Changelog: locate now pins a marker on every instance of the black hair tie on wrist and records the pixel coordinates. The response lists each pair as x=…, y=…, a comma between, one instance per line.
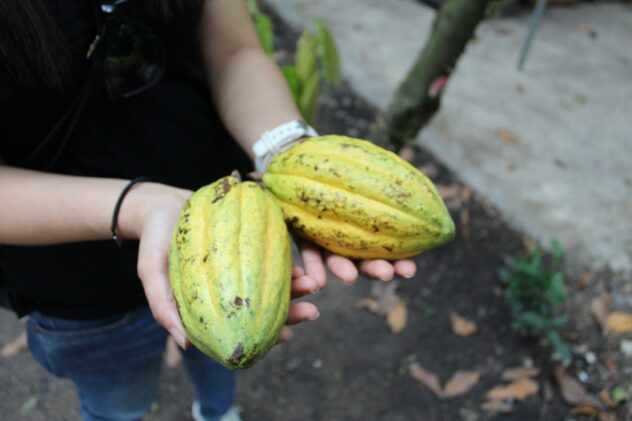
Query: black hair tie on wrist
x=117, y=239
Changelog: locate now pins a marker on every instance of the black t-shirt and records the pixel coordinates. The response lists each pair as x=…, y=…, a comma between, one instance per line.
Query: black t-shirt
x=169, y=133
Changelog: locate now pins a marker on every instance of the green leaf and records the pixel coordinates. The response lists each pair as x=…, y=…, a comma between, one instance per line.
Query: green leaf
x=504, y=275
x=289, y=72
x=328, y=54
x=534, y=321
x=559, y=322
x=265, y=32
x=527, y=268
x=560, y=346
x=557, y=291
x=305, y=58
x=557, y=250
x=619, y=394
x=308, y=103
x=29, y=404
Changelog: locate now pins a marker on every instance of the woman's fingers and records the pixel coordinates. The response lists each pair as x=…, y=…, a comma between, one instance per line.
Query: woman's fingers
x=341, y=267
x=286, y=334
x=405, y=268
x=301, y=312
x=313, y=262
x=304, y=285
x=377, y=269
x=153, y=270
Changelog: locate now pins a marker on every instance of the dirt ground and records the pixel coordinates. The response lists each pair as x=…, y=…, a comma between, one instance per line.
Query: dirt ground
x=348, y=365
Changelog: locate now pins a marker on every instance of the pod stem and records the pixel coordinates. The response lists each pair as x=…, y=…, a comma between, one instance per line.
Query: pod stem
x=236, y=174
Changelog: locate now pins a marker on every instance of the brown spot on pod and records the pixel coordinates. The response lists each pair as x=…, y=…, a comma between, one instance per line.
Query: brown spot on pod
x=238, y=301
x=238, y=354
x=226, y=186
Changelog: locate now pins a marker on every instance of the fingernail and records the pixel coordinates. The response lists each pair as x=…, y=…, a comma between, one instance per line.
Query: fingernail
x=316, y=316
x=179, y=337
x=314, y=291
x=386, y=278
x=412, y=275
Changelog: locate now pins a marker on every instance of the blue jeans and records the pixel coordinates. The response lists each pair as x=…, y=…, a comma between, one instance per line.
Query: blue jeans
x=115, y=363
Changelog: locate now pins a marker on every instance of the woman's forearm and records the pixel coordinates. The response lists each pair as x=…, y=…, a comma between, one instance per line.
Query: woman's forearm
x=40, y=208
x=249, y=90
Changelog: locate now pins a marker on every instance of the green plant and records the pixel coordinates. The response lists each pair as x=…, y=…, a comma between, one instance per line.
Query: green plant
x=316, y=65
x=535, y=288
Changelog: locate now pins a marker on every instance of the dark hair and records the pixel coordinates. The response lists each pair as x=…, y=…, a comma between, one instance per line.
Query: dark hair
x=34, y=51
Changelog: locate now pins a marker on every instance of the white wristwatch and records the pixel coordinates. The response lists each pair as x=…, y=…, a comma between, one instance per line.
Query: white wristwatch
x=275, y=140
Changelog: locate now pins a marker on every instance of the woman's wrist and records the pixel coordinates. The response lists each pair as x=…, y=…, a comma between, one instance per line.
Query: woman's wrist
x=143, y=199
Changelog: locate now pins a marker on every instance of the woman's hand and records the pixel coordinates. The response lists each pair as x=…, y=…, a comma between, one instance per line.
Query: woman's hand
x=150, y=213
x=312, y=277
x=154, y=211
x=314, y=260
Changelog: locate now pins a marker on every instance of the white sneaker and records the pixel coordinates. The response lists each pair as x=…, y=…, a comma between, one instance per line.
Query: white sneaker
x=231, y=415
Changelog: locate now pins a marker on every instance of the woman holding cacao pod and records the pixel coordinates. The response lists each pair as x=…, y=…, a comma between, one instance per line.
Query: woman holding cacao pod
x=112, y=112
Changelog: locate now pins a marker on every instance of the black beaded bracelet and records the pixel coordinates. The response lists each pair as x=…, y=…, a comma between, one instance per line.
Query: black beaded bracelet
x=117, y=239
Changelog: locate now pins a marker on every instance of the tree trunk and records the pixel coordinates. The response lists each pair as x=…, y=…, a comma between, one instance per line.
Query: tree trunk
x=418, y=97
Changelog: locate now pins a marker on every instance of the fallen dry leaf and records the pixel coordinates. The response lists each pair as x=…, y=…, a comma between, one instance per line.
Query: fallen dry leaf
x=517, y=390
x=573, y=391
x=462, y=326
x=427, y=378
x=599, y=308
x=584, y=410
x=396, y=318
x=506, y=136
x=497, y=406
x=517, y=373
x=618, y=322
x=15, y=347
x=461, y=382
x=407, y=153
x=384, y=301
x=370, y=304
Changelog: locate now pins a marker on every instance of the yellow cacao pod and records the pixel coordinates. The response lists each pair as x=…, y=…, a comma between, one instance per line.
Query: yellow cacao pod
x=230, y=271
x=357, y=199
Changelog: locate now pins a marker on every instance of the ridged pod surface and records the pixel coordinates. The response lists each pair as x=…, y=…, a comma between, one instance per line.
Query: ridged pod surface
x=230, y=271
x=357, y=199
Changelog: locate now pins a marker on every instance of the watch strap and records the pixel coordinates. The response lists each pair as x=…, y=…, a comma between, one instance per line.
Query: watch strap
x=276, y=140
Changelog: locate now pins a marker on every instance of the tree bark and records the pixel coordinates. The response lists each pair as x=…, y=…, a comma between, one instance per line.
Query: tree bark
x=419, y=95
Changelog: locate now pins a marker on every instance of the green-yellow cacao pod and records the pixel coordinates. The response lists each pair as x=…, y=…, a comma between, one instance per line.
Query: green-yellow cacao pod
x=230, y=271
x=357, y=199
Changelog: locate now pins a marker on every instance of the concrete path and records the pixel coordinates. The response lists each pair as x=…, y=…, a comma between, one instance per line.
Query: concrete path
x=551, y=146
